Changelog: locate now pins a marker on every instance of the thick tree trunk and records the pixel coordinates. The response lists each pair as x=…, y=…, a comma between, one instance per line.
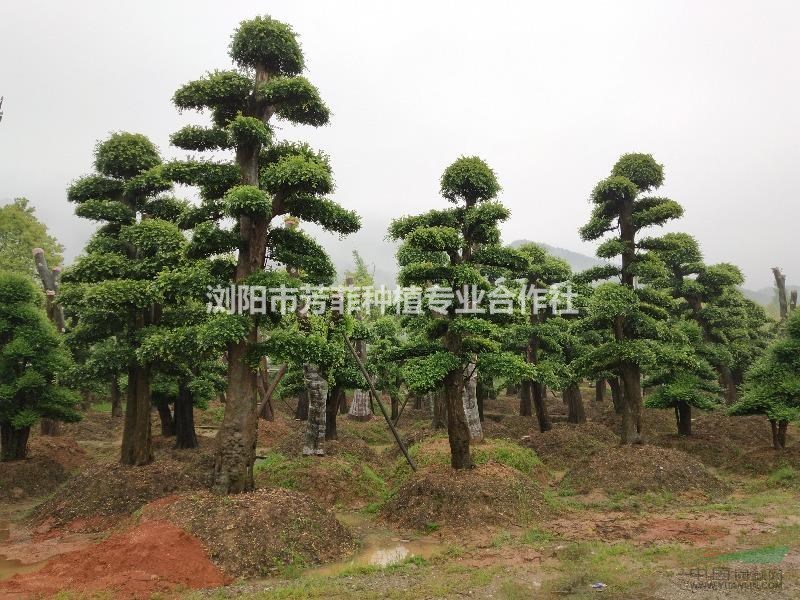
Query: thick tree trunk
x=575, y=410
x=360, y=407
x=334, y=401
x=185, y=435
x=236, y=438
x=782, y=426
x=457, y=428
x=116, y=398
x=539, y=393
x=417, y=401
x=167, y=422
x=631, y=404
x=526, y=399
x=50, y=427
x=317, y=390
x=343, y=408
x=774, y=427
x=394, y=402
x=13, y=442
x=683, y=417
x=512, y=390
x=728, y=384
x=616, y=394
x=469, y=400
x=438, y=409
x=600, y=390
x=301, y=412
x=265, y=410
x=136, y=442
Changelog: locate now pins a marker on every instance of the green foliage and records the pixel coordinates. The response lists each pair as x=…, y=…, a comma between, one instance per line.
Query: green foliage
x=124, y=155
x=195, y=137
x=20, y=233
x=469, y=179
x=266, y=43
x=248, y=130
x=32, y=359
x=296, y=99
x=225, y=90
x=298, y=174
x=641, y=169
x=94, y=187
x=247, y=200
x=772, y=384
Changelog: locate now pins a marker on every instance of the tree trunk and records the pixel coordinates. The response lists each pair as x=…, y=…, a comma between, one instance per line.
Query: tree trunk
x=185, y=435
x=780, y=283
x=781, y=434
x=469, y=401
x=575, y=410
x=438, y=409
x=616, y=394
x=774, y=427
x=334, y=401
x=512, y=390
x=457, y=429
x=600, y=390
x=236, y=438
x=136, y=442
x=265, y=410
x=116, y=398
x=683, y=416
x=359, y=407
x=631, y=404
x=394, y=401
x=301, y=412
x=540, y=405
x=343, y=408
x=417, y=401
x=728, y=384
x=317, y=390
x=50, y=427
x=13, y=442
x=526, y=399
x=167, y=422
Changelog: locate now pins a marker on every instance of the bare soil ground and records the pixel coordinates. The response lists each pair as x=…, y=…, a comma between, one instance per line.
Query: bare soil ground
x=543, y=514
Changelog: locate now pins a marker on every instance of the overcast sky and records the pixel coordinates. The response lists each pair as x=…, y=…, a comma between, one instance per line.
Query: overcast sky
x=548, y=93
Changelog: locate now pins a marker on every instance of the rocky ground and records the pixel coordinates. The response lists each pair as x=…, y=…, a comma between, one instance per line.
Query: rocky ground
x=567, y=513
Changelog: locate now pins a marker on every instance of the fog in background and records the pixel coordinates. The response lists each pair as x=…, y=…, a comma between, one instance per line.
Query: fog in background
x=549, y=94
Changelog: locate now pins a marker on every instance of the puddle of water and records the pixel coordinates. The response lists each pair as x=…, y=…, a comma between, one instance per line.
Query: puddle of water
x=10, y=567
x=379, y=547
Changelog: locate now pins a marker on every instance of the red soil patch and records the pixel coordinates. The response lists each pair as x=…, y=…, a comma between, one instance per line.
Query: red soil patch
x=153, y=557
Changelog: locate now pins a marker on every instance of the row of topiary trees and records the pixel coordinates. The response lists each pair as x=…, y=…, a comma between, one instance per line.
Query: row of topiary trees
x=654, y=317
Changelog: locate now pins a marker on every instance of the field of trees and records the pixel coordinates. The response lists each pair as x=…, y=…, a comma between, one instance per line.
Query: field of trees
x=501, y=426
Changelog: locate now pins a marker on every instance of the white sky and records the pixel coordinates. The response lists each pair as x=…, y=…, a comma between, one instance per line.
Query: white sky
x=549, y=93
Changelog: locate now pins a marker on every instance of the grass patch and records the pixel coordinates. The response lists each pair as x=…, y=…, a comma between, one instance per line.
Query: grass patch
x=757, y=556
x=102, y=407
x=536, y=537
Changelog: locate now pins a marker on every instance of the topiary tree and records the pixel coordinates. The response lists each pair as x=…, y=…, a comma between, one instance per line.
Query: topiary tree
x=451, y=248
x=265, y=181
x=31, y=363
x=622, y=207
x=110, y=291
x=772, y=384
x=542, y=270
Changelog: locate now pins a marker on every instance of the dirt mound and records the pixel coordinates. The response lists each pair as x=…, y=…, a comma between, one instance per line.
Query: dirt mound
x=509, y=426
x=566, y=443
x=352, y=446
x=739, y=444
x=94, y=427
x=272, y=433
x=490, y=494
x=107, y=489
x=632, y=469
x=151, y=558
x=49, y=462
x=257, y=533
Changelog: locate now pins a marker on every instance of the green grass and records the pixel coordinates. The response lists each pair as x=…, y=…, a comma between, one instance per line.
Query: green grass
x=765, y=555
x=102, y=407
x=536, y=537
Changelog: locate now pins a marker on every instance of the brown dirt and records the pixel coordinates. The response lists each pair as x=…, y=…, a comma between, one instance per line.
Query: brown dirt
x=94, y=427
x=107, y=489
x=566, y=443
x=353, y=446
x=272, y=433
x=150, y=558
x=633, y=469
x=490, y=494
x=49, y=462
x=256, y=533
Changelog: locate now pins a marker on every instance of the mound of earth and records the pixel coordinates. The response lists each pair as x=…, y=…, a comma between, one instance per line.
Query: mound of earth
x=491, y=494
x=272, y=433
x=94, y=427
x=642, y=468
x=106, y=489
x=154, y=557
x=335, y=479
x=740, y=444
x=258, y=532
x=351, y=446
x=566, y=443
x=49, y=462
